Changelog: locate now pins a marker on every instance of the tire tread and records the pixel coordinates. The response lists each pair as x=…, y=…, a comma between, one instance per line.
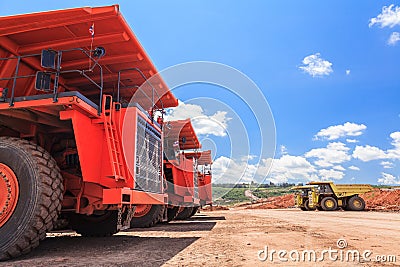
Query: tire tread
x=44, y=216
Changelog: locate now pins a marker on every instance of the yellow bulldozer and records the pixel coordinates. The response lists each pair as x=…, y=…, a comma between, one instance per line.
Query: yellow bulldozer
x=327, y=196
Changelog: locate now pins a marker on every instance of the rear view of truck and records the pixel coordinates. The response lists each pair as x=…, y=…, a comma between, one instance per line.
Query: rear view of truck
x=78, y=135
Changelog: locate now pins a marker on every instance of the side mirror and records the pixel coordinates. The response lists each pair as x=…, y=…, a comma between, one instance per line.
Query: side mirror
x=48, y=59
x=43, y=80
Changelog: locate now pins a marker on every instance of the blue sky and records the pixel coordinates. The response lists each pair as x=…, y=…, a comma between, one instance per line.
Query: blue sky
x=351, y=89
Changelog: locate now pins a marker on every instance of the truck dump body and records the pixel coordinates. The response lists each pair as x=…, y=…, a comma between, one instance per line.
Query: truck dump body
x=29, y=34
x=351, y=189
x=342, y=190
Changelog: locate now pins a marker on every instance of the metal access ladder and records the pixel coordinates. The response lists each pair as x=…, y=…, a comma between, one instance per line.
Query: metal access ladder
x=113, y=141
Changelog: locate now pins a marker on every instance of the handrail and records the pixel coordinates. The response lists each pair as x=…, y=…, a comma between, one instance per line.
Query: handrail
x=147, y=81
x=15, y=77
x=57, y=73
x=82, y=72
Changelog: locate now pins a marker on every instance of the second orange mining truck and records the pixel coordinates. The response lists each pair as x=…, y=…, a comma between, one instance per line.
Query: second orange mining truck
x=187, y=173
x=78, y=135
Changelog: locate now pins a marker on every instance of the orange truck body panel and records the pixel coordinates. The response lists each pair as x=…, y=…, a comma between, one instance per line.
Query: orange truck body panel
x=35, y=114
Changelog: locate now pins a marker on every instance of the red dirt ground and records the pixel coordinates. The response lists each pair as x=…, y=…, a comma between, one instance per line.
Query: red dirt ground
x=382, y=199
x=280, y=202
x=214, y=208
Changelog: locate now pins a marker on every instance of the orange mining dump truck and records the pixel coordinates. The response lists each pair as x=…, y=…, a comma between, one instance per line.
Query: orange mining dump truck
x=186, y=180
x=71, y=139
x=180, y=171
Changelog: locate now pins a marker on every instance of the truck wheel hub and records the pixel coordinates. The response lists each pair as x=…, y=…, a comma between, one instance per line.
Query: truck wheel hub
x=329, y=204
x=357, y=204
x=142, y=210
x=8, y=200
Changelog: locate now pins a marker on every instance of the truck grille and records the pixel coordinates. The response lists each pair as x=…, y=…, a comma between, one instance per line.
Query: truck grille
x=148, y=173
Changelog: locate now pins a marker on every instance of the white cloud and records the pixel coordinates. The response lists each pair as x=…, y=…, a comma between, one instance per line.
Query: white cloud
x=394, y=38
x=389, y=17
x=348, y=72
x=249, y=158
x=184, y=111
x=387, y=164
x=388, y=179
x=338, y=131
x=215, y=124
x=316, y=66
x=327, y=165
x=354, y=168
x=330, y=174
x=338, y=168
x=289, y=168
x=352, y=141
x=368, y=153
x=226, y=170
x=283, y=150
x=334, y=153
x=395, y=152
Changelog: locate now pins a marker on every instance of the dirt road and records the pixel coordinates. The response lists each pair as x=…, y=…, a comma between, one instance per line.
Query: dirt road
x=231, y=238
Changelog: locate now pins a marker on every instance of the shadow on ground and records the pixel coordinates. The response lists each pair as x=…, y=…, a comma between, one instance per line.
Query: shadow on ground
x=117, y=250
x=191, y=225
x=65, y=248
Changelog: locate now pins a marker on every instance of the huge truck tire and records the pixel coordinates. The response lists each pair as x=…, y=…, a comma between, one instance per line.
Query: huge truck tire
x=185, y=213
x=329, y=204
x=194, y=211
x=147, y=216
x=355, y=203
x=172, y=213
x=307, y=205
x=31, y=194
x=100, y=224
